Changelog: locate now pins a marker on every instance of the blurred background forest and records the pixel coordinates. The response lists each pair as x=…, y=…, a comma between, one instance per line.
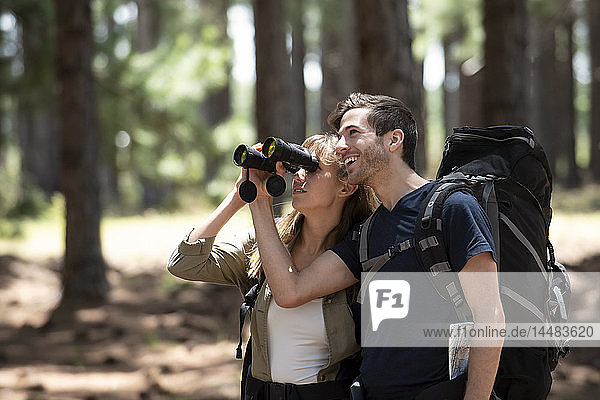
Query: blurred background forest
x=118, y=120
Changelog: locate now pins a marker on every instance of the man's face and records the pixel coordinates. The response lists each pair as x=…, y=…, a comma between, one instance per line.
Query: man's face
x=361, y=149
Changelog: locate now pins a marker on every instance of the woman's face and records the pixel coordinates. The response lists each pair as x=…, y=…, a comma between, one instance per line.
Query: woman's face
x=315, y=190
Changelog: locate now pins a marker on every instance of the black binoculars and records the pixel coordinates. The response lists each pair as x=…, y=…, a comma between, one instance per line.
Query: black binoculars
x=293, y=156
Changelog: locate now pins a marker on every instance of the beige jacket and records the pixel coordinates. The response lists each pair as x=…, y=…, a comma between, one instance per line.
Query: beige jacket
x=227, y=263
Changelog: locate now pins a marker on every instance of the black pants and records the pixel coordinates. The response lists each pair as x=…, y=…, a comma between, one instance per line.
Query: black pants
x=333, y=390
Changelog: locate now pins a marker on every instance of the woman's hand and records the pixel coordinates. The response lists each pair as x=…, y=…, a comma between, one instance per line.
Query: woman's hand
x=261, y=179
x=235, y=193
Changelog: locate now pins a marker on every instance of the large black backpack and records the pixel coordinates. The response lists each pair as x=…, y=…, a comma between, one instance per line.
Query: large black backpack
x=507, y=171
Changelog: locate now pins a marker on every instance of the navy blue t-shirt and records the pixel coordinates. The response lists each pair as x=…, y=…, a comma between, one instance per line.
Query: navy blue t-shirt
x=403, y=372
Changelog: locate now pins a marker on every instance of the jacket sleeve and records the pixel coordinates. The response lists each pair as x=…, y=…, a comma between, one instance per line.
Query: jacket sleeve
x=225, y=262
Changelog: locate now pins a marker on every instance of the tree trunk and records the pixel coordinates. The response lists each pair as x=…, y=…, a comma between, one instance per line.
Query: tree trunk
x=419, y=113
x=146, y=40
x=297, y=87
x=273, y=78
x=338, y=54
x=593, y=9
x=471, y=93
x=272, y=71
x=451, y=86
x=505, y=80
x=148, y=25
x=567, y=87
x=37, y=112
x=545, y=98
x=386, y=63
x=216, y=107
x=84, y=275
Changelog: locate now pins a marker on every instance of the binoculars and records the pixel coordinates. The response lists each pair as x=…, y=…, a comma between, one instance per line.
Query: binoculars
x=293, y=156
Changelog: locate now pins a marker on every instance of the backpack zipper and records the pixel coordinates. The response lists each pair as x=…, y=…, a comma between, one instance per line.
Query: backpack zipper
x=469, y=137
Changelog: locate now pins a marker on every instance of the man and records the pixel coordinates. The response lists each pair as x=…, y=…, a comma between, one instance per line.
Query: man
x=377, y=141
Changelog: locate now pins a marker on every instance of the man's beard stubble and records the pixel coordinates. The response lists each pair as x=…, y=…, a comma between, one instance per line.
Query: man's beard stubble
x=373, y=159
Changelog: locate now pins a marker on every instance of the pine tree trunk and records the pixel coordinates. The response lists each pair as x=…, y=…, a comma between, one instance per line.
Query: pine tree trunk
x=471, y=93
x=272, y=71
x=216, y=107
x=148, y=25
x=567, y=84
x=297, y=87
x=545, y=104
x=451, y=87
x=505, y=80
x=37, y=112
x=84, y=275
x=273, y=78
x=338, y=54
x=594, y=43
x=386, y=63
x=146, y=40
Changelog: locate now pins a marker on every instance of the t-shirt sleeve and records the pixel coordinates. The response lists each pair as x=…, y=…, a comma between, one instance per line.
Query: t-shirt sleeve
x=347, y=250
x=467, y=229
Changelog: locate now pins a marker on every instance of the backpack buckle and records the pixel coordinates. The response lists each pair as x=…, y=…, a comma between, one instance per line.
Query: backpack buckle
x=426, y=221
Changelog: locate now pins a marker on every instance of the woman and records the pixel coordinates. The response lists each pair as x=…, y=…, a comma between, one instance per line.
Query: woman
x=309, y=348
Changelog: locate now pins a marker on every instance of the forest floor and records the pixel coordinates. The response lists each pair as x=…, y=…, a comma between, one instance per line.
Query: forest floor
x=162, y=338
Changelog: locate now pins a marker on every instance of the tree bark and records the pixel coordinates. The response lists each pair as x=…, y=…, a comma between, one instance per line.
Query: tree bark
x=387, y=64
x=545, y=99
x=273, y=79
x=272, y=71
x=505, y=80
x=148, y=25
x=297, y=87
x=84, y=274
x=471, y=93
x=339, y=54
x=37, y=111
x=216, y=107
x=451, y=86
x=567, y=85
x=594, y=43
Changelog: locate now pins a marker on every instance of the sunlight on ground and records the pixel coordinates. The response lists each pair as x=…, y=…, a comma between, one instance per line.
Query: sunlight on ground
x=199, y=368
x=142, y=242
x=149, y=342
x=575, y=236
x=133, y=243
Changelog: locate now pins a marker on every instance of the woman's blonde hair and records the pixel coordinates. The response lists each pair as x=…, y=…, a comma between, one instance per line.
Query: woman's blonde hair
x=356, y=208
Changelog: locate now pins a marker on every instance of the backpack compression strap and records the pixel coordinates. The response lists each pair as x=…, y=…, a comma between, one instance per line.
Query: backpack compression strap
x=431, y=249
x=373, y=265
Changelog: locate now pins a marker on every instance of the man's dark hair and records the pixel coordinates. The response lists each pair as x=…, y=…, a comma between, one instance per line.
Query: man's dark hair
x=386, y=114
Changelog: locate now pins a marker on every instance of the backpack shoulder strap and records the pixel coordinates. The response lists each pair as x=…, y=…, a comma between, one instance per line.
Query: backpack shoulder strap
x=431, y=249
x=246, y=309
x=363, y=248
x=373, y=265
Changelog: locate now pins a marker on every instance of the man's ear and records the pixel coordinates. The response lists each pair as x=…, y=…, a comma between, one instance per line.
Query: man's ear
x=396, y=139
x=347, y=189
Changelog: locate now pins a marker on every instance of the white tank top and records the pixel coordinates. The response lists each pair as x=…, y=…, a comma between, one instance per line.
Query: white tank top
x=298, y=346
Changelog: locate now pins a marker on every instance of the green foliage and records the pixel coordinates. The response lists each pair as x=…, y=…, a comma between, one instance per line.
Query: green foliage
x=32, y=202
x=154, y=98
x=456, y=21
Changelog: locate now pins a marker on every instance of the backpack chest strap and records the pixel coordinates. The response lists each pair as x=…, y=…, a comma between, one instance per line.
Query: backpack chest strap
x=373, y=265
